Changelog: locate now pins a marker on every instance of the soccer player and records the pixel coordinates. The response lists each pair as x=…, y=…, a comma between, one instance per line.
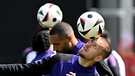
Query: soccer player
x=40, y=44
x=63, y=39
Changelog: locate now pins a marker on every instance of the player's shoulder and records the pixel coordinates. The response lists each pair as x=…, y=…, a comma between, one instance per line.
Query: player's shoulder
x=64, y=57
x=61, y=56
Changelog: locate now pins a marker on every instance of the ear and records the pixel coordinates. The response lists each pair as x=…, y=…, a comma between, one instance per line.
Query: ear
x=69, y=38
x=98, y=58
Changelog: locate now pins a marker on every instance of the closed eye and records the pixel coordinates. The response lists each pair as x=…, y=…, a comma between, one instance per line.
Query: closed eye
x=85, y=48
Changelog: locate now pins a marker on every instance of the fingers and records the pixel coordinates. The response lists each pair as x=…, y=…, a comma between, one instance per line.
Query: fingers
x=71, y=74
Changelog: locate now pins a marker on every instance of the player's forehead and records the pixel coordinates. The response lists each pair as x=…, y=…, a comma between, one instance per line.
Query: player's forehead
x=55, y=38
x=101, y=41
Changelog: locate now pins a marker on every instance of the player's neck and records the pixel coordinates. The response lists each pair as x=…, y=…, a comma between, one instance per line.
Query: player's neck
x=85, y=63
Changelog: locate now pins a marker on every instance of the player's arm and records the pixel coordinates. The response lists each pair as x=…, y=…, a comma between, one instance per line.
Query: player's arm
x=40, y=67
x=31, y=69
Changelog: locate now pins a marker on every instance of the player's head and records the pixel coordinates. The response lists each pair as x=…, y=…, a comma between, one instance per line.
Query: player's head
x=96, y=49
x=40, y=40
x=62, y=37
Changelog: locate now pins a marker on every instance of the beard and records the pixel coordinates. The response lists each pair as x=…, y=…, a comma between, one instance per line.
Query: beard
x=81, y=55
x=80, y=52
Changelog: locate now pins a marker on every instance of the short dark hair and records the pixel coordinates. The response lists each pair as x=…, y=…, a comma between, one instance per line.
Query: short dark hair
x=40, y=40
x=61, y=28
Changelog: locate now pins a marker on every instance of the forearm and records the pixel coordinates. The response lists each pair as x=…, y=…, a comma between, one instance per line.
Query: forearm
x=31, y=69
x=21, y=69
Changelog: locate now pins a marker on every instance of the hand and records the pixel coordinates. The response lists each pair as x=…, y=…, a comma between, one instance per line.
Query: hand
x=71, y=74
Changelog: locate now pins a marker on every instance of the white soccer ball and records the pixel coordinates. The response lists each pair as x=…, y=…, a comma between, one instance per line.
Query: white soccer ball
x=90, y=25
x=49, y=14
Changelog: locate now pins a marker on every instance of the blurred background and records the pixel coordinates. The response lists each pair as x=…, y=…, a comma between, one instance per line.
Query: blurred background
x=18, y=22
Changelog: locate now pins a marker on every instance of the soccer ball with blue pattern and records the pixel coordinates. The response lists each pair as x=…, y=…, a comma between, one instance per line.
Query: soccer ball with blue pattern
x=90, y=25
